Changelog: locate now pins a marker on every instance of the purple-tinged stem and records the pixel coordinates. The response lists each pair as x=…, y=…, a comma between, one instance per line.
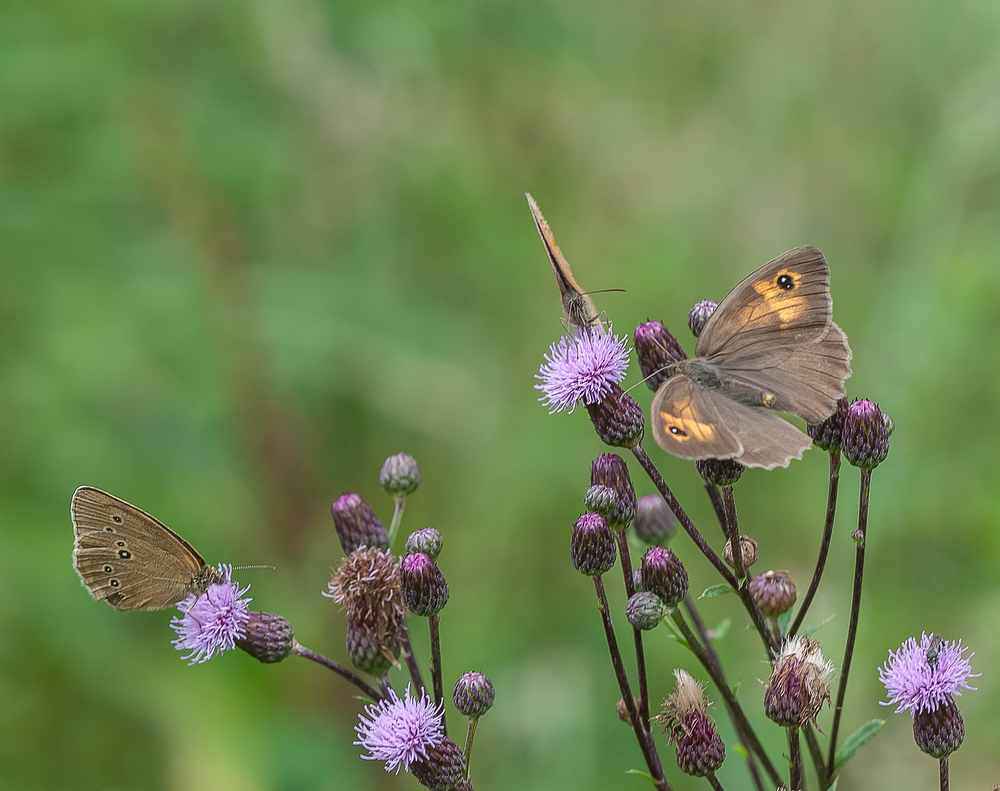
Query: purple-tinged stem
x=743, y=588
x=718, y=505
x=714, y=781
x=642, y=735
x=368, y=691
x=794, y=758
x=410, y=658
x=852, y=629
x=434, y=620
x=640, y=654
x=944, y=773
x=713, y=657
x=817, y=755
x=732, y=704
x=682, y=517
x=824, y=548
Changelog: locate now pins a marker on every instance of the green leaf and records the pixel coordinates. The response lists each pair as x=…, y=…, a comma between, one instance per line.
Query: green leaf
x=855, y=742
x=740, y=750
x=816, y=627
x=641, y=774
x=715, y=590
x=675, y=632
x=784, y=620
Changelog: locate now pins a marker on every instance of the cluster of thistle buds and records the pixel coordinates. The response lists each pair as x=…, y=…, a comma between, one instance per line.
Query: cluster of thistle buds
x=587, y=367
x=379, y=593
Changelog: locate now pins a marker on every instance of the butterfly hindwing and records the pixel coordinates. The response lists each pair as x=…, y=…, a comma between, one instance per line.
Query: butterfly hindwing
x=687, y=424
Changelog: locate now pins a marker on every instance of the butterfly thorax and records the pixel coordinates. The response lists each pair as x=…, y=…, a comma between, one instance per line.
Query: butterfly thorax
x=711, y=376
x=209, y=575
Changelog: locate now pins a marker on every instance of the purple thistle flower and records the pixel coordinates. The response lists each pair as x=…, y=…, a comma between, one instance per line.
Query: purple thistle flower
x=400, y=732
x=582, y=367
x=917, y=685
x=213, y=621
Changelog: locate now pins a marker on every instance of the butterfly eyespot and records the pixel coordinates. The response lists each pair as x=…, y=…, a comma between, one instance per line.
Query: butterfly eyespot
x=114, y=583
x=108, y=569
x=109, y=530
x=786, y=282
x=124, y=553
x=677, y=431
x=119, y=543
x=117, y=518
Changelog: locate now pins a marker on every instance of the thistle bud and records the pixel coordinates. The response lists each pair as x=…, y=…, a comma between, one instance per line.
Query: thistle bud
x=658, y=353
x=940, y=732
x=664, y=574
x=593, y=547
x=654, y=522
x=699, y=315
x=366, y=651
x=827, y=434
x=748, y=552
x=356, y=524
x=645, y=610
x=268, y=637
x=865, y=440
x=473, y=694
x=610, y=469
x=602, y=500
x=424, y=588
x=618, y=419
x=721, y=472
x=773, y=592
x=443, y=767
x=427, y=540
x=400, y=475
x=799, y=683
x=700, y=750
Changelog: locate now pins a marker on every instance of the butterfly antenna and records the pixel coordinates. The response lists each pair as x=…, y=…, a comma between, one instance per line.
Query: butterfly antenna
x=605, y=291
x=647, y=378
x=260, y=566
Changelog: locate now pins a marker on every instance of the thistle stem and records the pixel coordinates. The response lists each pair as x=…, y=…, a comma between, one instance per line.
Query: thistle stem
x=944, y=773
x=717, y=504
x=469, y=736
x=410, y=658
x=434, y=621
x=682, y=517
x=397, y=518
x=824, y=548
x=642, y=734
x=816, y=754
x=714, y=781
x=852, y=629
x=794, y=758
x=640, y=654
x=732, y=704
x=368, y=691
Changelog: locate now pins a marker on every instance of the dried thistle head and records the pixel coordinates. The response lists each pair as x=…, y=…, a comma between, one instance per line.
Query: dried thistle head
x=366, y=584
x=700, y=750
x=799, y=683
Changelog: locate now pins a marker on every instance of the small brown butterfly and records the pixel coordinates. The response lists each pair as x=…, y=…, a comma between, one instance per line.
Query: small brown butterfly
x=131, y=559
x=771, y=345
x=577, y=305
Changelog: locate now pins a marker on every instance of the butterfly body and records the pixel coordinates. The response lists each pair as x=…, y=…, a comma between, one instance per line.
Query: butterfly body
x=770, y=346
x=129, y=558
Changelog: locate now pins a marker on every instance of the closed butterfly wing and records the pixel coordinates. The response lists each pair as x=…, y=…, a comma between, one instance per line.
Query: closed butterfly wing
x=579, y=307
x=786, y=302
x=129, y=557
x=805, y=379
x=686, y=422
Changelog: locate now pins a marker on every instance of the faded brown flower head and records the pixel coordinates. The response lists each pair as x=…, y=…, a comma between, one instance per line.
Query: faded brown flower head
x=700, y=750
x=366, y=584
x=799, y=683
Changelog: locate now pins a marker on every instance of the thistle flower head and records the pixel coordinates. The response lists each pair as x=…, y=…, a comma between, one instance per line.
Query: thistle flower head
x=799, y=683
x=400, y=475
x=827, y=433
x=400, y=732
x=427, y=540
x=593, y=547
x=424, y=587
x=721, y=472
x=645, y=610
x=268, y=638
x=367, y=585
x=700, y=750
x=658, y=353
x=915, y=684
x=213, y=621
x=473, y=694
x=664, y=574
x=865, y=437
x=610, y=470
x=357, y=525
x=618, y=419
x=773, y=592
x=581, y=368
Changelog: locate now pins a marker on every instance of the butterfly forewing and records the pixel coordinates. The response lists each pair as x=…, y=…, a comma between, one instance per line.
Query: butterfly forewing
x=579, y=307
x=785, y=302
x=129, y=557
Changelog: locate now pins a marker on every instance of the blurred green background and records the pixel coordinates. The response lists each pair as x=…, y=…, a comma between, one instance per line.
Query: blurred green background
x=249, y=249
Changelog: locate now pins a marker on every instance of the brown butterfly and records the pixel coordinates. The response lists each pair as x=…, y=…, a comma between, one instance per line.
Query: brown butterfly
x=577, y=305
x=771, y=345
x=131, y=559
